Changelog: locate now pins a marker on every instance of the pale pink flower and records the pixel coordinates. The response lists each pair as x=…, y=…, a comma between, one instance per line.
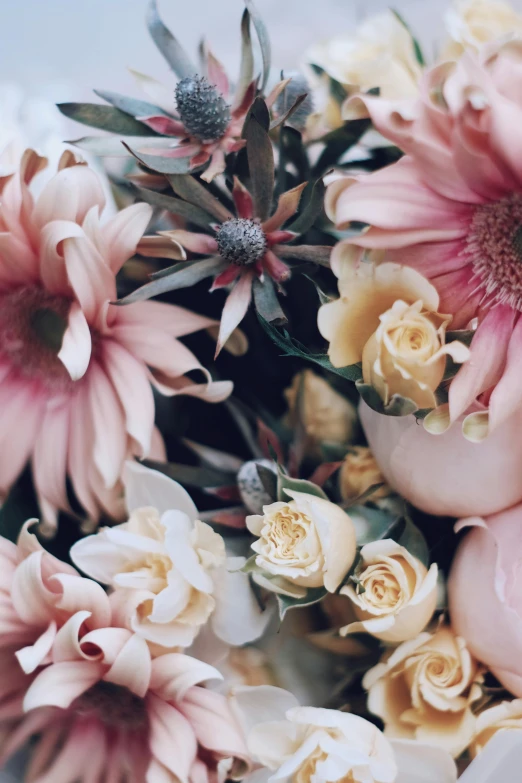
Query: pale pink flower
x=484, y=594
x=100, y=708
x=452, y=208
x=75, y=383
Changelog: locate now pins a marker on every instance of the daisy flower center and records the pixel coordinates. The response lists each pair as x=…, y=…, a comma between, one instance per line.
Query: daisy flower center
x=241, y=241
x=113, y=705
x=495, y=245
x=202, y=109
x=32, y=324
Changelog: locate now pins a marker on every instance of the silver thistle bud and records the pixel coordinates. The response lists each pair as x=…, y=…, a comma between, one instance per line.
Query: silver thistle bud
x=202, y=109
x=241, y=241
x=253, y=494
x=298, y=86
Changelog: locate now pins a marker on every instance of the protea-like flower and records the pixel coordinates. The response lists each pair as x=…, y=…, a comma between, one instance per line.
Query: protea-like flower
x=100, y=708
x=196, y=121
x=76, y=371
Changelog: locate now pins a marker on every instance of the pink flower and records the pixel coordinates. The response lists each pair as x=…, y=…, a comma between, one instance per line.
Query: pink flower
x=447, y=475
x=75, y=383
x=101, y=708
x=485, y=598
x=452, y=208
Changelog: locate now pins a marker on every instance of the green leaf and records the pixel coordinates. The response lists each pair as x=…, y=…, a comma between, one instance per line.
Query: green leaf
x=250, y=566
x=408, y=535
x=191, y=212
x=106, y=118
x=287, y=114
x=202, y=477
x=292, y=347
x=296, y=485
x=183, y=275
x=261, y=166
x=338, y=142
x=161, y=164
x=169, y=46
x=370, y=524
x=397, y=405
x=264, y=41
x=291, y=150
x=192, y=190
x=313, y=596
x=266, y=302
x=312, y=203
x=132, y=106
x=269, y=480
x=416, y=45
x=246, y=69
x=336, y=89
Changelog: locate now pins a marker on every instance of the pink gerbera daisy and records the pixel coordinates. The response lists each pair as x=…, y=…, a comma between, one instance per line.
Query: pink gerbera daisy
x=452, y=208
x=75, y=383
x=101, y=709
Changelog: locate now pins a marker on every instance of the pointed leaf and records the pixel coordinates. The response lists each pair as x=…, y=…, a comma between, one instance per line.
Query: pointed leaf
x=297, y=485
x=246, y=71
x=264, y=42
x=416, y=45
x=191, y=189
x=261, y=165
x=286, y=602
x=202, y=477
x=112, y=146
x=269, y=481
x=288, y=113
x=107, y=118
x=311, y=207
x=132, y=106
x=176, y=206
x=160, y=163
x=370, y=524
x=315, y=254
x=408, y=535
x=396, y=406
x=183, y=275
x=338, y=142
x=266, y=302
x=169, y=46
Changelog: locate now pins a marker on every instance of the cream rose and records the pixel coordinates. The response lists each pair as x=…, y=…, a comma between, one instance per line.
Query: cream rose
x=387, y=318
x=325, y=414
x=395, y=595
x=471, y=23
x=503, y=716
x=168, y=570
x=424, y=690
x=379, y=54
x=313, y=745
x=359, y=472
x=306, y=542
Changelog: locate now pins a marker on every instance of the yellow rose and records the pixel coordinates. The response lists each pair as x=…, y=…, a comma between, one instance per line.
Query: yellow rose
x=306, y=542
x=395, y=596
x=359, y=472
x=379, y=54
x=503, y=716
x=471, y=23
x=387, y=318
x=325, y=414
x=424, y=690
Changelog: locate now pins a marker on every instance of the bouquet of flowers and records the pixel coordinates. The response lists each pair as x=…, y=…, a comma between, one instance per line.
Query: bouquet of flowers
x=259, y=456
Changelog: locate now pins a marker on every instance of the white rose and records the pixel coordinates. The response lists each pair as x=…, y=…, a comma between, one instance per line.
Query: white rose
x=379, y=54
x=313, y=745
x=472, y=23
x=306, y=542
x=167, y=570
x=503, y=716
x=395, y=596
x=424, y=690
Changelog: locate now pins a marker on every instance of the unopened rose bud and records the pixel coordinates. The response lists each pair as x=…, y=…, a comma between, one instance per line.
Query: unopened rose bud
x=325, y=414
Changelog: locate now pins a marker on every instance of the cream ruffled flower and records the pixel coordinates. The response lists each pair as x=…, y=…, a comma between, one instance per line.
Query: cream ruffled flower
x=325, y=414
x=379, y=54
x=471, y=23
x=387, y=318
x=306, y=542
x=359, y=472
x=312, y=745
x=503, y=716
x=395, y=596
x=168, y=570
x=424, y=690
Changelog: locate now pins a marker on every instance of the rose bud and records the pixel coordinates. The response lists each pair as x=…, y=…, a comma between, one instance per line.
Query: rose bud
x=394, y=596
x=325, y=414
x=358, y=473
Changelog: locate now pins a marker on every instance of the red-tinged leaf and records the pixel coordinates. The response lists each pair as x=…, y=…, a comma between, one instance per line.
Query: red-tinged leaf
x=226, y=277
x=323, y=472
x=217, y=74
x=217, y=166
x=275, y=268
x=225, y=493
x=286, y=207
x=183, y=275
x=280, y=236
x=267, y=438
x=235, y=308
x=242, y=200
x=276, y=91
x=246, y=102
x=166, y=126
x=234, y=519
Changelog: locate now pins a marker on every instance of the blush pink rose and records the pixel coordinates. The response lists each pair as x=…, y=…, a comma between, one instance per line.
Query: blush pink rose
x=447, y=474
x=488, y=567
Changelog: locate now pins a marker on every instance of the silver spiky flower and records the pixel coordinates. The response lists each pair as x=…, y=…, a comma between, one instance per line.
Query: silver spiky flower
x=253, y=494
x=241, y=241
x=202, y=109
x=297, y=87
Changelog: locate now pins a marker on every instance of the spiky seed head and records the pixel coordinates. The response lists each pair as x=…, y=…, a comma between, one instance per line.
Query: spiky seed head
x=253, y=494
x=298, y=86
x=241, y=241
x=202, y=109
